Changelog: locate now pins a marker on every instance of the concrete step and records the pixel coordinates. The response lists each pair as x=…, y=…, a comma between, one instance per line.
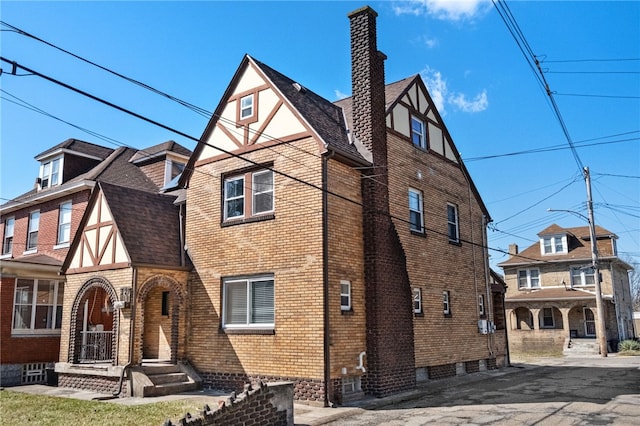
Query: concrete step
x=162, y=379
x=171, y=388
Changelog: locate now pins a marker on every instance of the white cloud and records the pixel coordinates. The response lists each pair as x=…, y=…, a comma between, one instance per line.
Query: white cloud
x=446, y=10
x=430, y=42
x=436, y=86
x=340, y=95
x=478, y=104
x=443, y=97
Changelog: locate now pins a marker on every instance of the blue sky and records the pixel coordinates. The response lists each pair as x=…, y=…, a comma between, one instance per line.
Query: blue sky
x=490, y=98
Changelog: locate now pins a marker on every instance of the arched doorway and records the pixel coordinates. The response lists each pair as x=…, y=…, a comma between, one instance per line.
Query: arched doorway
x=94, y=324
x=160, y=299
x=524, y=318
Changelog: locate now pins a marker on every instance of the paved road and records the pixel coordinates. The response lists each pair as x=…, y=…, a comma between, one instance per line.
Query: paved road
x=564, y=391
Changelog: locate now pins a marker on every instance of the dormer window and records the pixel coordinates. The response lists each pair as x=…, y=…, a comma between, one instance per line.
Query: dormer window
x=50, y=173
x=554, y=244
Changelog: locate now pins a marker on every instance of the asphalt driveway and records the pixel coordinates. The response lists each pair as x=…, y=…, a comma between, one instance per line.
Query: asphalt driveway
x=558, y=391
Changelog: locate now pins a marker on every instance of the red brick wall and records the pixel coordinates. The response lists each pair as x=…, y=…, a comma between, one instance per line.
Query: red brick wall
x=48, y=230
x=23, y=349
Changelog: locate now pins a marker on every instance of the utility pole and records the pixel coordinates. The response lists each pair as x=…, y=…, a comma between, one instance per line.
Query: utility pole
x=600, y=323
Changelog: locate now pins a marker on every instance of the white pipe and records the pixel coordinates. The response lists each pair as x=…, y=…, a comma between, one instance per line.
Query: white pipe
x=361, y=359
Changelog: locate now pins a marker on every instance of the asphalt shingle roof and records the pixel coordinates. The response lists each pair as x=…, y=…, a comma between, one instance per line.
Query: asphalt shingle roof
x=82, y=147
x=578, y=241
x=148, y=223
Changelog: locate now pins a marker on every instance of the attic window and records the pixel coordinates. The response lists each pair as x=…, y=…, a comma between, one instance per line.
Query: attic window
x=553, y=244
x=246, y=107
x=50, y=173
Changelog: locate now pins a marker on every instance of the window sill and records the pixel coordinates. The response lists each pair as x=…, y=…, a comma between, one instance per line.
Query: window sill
x=418, y=233
x=418, y=314
x=248, y=331
x=61, y=246
x=455, y=243
x=35, y=333
x=261, y=218
x=6, y=256
x=447, y=315
x=346, y=311
x=32, y=251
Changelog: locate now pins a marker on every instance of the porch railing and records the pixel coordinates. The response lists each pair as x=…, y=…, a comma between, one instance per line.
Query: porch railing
x=96, y=346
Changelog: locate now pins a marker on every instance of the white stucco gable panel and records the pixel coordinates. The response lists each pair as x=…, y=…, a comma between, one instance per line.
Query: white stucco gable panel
x=273, y=118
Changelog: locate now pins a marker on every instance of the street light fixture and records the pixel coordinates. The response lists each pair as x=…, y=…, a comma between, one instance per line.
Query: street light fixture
x=601, y=329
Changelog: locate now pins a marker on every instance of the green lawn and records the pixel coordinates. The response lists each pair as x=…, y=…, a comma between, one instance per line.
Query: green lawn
x=17, y=408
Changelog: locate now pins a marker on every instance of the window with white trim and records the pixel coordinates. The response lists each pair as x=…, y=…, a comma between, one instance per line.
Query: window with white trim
x=583, y=276
x=554, y=244
x=64, y=223
x=50, y=172
x=547, y=318
x=481, y=304
x=37, y=306
x=248, y=302
x=528, y=278
x=32, y=232
x=246, y=107
x=453, y=229
x=345, y=295
x=417, y=300
x=261, y=201
x=418, y=133
x=446, y=300
x=7, y=243
x=416, y=212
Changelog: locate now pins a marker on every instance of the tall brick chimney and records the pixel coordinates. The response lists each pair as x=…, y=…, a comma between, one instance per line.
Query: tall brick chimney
x=388, y=300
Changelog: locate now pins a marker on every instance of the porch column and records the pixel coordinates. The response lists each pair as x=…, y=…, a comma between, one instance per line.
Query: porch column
x=508, y=313
x=536, y=318
x=565, y=321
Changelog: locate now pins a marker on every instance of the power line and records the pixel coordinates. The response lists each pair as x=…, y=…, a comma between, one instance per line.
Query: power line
x=597, y=96
x=593, y=60
x=239, y=156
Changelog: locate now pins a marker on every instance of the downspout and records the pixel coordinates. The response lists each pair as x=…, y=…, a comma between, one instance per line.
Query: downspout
x=489, y=303
x=182, y=241
x=134, y=280
x=325, y=279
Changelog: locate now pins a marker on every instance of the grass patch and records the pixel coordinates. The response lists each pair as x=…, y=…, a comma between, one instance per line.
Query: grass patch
x=18, y=408
x=629, y=353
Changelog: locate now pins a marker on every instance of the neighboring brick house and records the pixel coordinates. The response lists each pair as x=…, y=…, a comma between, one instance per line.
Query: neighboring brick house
x=341, y=246
x=551, y=298
x=37, y=229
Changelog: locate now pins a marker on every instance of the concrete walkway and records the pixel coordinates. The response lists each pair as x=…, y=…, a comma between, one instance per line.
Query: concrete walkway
x=470, y=394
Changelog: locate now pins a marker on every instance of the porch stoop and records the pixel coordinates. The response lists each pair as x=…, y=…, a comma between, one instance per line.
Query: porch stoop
x=581, y=347
x=159, y=379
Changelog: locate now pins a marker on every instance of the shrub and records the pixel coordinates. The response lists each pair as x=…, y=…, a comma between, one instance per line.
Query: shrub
x=629, y=345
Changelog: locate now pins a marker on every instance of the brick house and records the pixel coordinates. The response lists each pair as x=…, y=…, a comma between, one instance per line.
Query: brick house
x=551, y=302
x=37, y=228
x=318, y=234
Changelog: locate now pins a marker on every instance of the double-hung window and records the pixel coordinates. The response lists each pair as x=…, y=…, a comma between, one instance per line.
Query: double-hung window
x=345, y=295
x=260, y=200
x=246, y=107
x=528, y=278
x=37, y=306
x=446, y=300
x=64, y=223
x=249, y=302
x=554, y=244
x=453, y=229
x=50, y=173
x=418, y=133
x=481, y=308
x=32, y=232
x=547, y=318
x=416, y=214
x=7, y=243
x=583, y=276
x=417, y=300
